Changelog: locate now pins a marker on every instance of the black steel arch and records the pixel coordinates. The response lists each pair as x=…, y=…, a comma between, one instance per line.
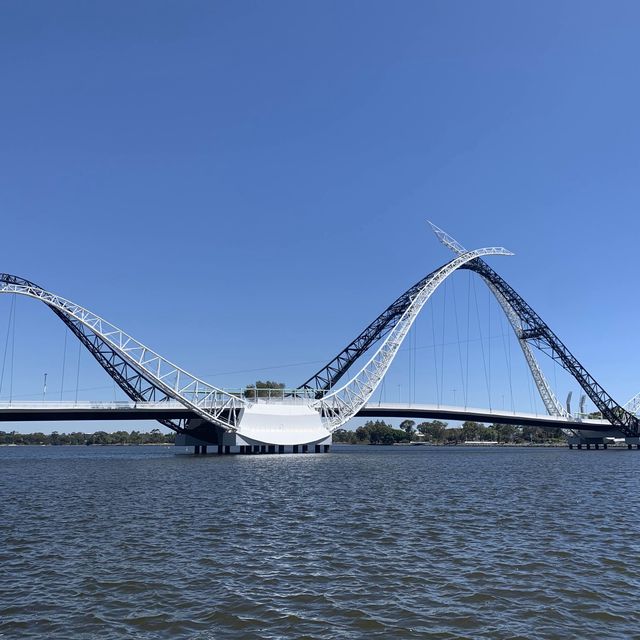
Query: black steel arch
x=132, y=381
x=535, y=331
x=538, y=333
x=328, y=376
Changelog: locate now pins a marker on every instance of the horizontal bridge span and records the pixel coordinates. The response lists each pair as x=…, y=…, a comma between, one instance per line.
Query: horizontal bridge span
x=100, y=411
x=442, y=412
x=64, y=411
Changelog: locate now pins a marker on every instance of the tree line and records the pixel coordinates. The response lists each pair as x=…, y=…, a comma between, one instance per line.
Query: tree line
x=438, y=432
x=155, y=436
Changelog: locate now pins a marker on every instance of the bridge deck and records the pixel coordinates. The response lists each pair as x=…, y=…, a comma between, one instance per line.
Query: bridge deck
x=101, y=411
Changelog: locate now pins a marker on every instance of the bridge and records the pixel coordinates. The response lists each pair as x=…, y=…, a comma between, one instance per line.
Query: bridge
x=203, y=414
x=171, y=410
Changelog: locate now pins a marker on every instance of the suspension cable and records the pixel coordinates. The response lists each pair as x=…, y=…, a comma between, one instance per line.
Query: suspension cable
x=444, y=324
x=78, y=369
x=13, y=349
x=6, y=341
x=455, y=313
x=488, y=293
x=435, y=354
x=484, y=360
x=415, y=358
x=467, y=342
x=64, y=360
x=506, y=346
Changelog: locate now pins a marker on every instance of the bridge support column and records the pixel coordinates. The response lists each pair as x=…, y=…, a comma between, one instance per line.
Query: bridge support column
x=305, y=448
x=570, y=445
x=327, y=448
x=256, y=448
x=597, y=446
x=272, y=448
x=317, y=448
x=588, y=446
x=579, y=446
x=604, y=446
x=220, y=449
x=227, y=448
x=280, y=448
x=295, y=448
x=196, y=449
x=629, y=446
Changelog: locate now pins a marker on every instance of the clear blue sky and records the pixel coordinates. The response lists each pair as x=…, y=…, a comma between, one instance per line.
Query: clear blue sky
x=245, y=184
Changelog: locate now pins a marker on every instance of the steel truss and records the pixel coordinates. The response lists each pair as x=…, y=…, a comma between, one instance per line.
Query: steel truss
x=633, y=405
x=342, y=404
x=551, y=403
x=528, y=327
x=325, y=379
x=535, y=331
x=140, y=372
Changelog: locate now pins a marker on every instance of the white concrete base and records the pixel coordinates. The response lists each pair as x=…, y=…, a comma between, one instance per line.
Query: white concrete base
x=264, y=423
x=280, y=423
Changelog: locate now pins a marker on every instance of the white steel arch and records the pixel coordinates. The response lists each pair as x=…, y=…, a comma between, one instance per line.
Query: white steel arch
x=633, y=405
x=551, y=403
x=342, y=404
x=210, y=403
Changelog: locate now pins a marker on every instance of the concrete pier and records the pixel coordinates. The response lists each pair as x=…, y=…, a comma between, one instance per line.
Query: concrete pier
x=602, y=442
x=234, y=444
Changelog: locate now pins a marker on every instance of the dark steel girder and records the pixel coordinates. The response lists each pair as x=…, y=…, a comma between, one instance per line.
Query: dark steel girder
x=132, y=381
x=537, y=332
x=329, y=375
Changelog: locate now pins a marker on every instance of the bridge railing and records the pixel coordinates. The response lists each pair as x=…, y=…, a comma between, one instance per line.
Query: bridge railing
x=87, y=404
x=274, y=396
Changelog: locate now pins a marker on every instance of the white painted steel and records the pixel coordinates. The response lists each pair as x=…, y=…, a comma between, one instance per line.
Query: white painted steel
x=633, y=405
x=210, y=403
x=551, y=403
x=341, y=405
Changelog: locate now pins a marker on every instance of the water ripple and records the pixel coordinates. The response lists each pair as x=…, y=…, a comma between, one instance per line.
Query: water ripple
x=367, y=542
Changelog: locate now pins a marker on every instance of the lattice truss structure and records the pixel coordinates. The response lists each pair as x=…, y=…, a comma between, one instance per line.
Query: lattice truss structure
x=340, y=405
x=141, y=373
x=529, y=328
x=145, y=376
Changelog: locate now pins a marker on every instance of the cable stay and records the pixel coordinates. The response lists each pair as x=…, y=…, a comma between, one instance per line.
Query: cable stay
x=531, y=329
x=340, y=405
x=140, y=372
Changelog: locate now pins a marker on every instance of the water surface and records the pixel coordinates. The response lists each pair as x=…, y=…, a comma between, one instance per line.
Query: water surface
x=364, y=542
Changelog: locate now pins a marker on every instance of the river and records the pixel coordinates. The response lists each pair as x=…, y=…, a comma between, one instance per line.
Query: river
x=363, y=542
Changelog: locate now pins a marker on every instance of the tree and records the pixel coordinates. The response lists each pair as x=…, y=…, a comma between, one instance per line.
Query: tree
x=434, y=431
x=265, y=389
x=471, y=430
x=505, y=432
x=379, y=432
x=408, y=426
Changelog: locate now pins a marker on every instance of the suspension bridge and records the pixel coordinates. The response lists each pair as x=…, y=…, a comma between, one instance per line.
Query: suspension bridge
x=304, y=418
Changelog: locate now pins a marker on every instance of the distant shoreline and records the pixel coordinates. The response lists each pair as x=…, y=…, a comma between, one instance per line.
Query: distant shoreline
x=84, y=444
x=477, y=445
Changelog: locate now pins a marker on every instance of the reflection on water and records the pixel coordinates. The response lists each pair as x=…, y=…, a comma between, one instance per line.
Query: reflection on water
x=365, y=542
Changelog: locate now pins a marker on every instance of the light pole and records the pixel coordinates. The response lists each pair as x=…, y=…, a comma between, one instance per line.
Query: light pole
x=44, y=388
